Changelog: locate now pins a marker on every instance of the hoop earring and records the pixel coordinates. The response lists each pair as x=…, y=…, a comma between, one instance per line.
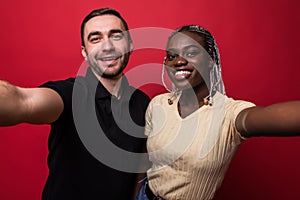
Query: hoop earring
x=174, y=91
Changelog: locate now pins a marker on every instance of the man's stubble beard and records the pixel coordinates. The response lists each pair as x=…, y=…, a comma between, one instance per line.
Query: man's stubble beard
x=102, y=74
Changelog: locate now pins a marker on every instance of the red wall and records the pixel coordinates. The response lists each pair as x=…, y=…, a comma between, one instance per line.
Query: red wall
x=259, y=43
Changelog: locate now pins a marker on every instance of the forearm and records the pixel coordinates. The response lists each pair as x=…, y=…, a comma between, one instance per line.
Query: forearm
x=10, y=104
x=30, y=105
x=282, y=119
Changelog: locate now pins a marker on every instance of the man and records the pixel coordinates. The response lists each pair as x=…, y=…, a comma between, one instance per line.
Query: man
x=74, y=173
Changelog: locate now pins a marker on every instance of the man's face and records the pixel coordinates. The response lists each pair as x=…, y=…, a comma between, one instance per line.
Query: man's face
x=107, y=47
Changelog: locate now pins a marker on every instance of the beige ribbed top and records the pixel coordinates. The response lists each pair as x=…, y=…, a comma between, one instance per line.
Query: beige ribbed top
x=190, y=156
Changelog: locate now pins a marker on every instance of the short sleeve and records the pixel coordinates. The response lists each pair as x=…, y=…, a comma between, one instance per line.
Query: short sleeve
x=148, y=119
x=235, y=107
x=64, y=88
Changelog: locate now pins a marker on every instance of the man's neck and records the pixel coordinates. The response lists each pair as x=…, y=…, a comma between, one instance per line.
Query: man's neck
x=112, y=84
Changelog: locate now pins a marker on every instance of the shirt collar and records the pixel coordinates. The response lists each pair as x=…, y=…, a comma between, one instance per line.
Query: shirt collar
x=101, y=91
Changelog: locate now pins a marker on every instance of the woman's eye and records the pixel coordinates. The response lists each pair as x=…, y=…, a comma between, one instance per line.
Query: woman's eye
x=192, y=54
x=171, y=56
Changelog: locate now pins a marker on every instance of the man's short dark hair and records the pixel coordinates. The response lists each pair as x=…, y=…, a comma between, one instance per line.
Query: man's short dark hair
x=100, y=12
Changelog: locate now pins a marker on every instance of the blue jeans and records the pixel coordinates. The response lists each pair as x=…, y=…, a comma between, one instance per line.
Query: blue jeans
x=142, y=194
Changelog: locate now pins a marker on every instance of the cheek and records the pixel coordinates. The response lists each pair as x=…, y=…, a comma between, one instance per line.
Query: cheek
x=122, y=47
x=93, y=48
x=168, y=65
x=90, y=51
x=202, y=66
x=201, y=76
x=169, y=70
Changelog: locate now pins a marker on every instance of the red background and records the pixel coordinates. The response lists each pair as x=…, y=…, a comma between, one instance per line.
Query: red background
x=259, y=44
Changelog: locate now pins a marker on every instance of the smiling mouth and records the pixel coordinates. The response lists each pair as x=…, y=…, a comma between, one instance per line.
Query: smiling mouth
x=110, y=60
x=182, y=74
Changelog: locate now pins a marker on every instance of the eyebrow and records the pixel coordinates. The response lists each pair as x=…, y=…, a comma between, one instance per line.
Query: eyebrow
x=93, y=33
x=99, y=33
x=116, y=31
x=185, y=48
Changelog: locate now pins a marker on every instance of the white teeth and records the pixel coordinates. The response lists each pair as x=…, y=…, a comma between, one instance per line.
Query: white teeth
x=178, y=73
x=108, y=59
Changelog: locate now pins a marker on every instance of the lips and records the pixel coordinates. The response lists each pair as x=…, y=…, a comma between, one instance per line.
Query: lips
x=109, y=59
x=182, y=74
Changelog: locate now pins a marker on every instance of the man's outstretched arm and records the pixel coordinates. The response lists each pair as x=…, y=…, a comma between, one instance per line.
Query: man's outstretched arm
x=30, y=105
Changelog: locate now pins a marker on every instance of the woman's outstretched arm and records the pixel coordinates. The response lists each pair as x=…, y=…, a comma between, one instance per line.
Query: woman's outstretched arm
x=282, y=119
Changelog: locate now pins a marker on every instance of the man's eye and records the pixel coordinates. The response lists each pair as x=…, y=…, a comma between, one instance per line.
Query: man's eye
x=94, y=39
x=117, y=36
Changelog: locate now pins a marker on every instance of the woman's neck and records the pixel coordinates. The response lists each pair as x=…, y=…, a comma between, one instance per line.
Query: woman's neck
x=192, y=99
x=194, y=96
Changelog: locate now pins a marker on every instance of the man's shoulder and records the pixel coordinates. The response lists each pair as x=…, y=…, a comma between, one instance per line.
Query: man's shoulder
x=139, y=93
x=63, y=87
x=57, y=83
x=139, y=97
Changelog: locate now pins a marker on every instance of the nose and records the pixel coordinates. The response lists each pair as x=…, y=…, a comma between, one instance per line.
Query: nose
x=180, y=61
x=108, y=45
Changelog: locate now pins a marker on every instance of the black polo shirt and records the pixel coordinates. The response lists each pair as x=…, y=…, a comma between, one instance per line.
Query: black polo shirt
x=74, y=173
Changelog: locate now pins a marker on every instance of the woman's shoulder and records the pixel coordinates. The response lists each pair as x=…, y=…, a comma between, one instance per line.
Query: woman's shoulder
x=235, y=106
x=237, y=102
x=161, y=98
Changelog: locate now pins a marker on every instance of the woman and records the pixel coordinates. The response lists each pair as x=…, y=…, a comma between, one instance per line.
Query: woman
x=194, y=131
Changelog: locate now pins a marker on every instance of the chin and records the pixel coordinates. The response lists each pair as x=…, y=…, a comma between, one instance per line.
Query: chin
x=112, y=74
x=182, y=84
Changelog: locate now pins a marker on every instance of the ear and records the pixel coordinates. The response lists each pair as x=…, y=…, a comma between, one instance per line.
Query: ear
x=130, y=47
x=211, y=63
x=83, y=52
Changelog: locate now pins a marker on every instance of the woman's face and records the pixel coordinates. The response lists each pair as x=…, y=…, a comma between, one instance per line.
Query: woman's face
x=187, y=62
